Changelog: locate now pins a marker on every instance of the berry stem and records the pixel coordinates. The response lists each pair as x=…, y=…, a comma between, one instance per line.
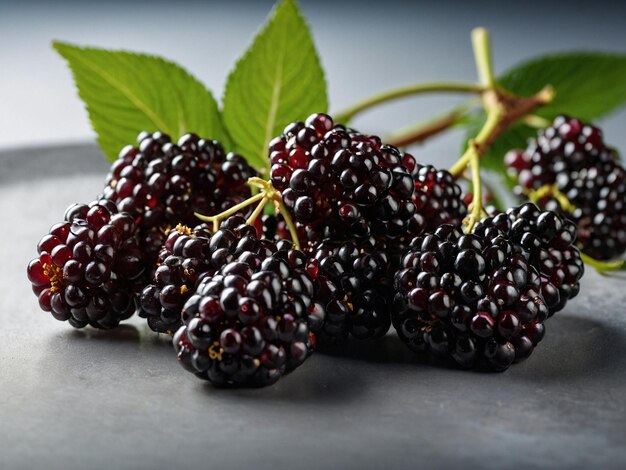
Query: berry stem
x=216, y=219
x=550, y=190
x=536, y=122
x=257, y=211
x=479, y=144
x=502, y=108
x=482, y=56
x=495, y=111
x=348, y=113
x=602, y=266
x=270, y=193
x=292, y=227
x=477, y=200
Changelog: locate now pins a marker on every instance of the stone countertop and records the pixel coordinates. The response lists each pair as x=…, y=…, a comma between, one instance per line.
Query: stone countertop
x=118, y=399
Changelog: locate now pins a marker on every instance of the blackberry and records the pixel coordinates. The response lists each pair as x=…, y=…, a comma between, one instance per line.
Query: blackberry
x=186, y=258
x=547, y=241
x=438, y=199
x=361, y=268
x=254, y=320
x=468, y=298
x=339, y=183
x=89, y=266
x=162, y=184
x=572, y=157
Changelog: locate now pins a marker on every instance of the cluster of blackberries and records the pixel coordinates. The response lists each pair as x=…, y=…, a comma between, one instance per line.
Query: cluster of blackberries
x=340, y=183
x=381, y=245
x=482, y=298
x=253, y=320
x=571, y=160
x=357, y=203
x=161, y=184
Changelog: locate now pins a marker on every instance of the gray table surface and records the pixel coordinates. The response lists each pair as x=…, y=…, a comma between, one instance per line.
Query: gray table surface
x=118, y=399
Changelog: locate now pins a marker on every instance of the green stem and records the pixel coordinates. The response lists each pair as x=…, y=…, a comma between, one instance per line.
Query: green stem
x=216, y=219
x=602, y=266
x=550, y=190
x=477, y=144
x=482, y=56
x=257, y=211
x=477, y=199
x=348, y=113
x=292, y=227
x=536, y=122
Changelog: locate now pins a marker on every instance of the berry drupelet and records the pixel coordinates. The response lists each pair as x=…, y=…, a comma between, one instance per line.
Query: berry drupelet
x=438, y=199
x=569, y=158
x=362, y=270
x=547, y=242
x=469, y=298
x=186, y=258
x=89, y=266
x=162, y=184
x=253, y=321
x=339, y=183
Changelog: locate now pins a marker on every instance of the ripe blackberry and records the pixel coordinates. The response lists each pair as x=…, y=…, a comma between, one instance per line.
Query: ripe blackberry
x=186, y=258
x=571, y=156
x=547, y=242
x=162, y=184
x=438, y=199
x=361, y=268
x=88, y=266
x=253, y=321
x=469, y=298
x=339, y=183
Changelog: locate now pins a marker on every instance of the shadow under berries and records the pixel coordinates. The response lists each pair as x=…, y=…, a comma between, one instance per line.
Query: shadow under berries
x=133, y=345
x=387, y=350
x=322, y=380
x=575, y=349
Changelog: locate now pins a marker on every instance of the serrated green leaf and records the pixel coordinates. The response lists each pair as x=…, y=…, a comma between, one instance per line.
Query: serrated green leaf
x=126, y=93
x=588, y=85
x=278, y=80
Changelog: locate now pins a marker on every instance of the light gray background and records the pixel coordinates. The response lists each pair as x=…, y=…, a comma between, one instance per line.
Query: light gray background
x=88, y=399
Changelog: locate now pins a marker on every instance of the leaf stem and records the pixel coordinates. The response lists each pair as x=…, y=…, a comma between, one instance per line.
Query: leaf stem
x=602, y=266
x=348, y=113
x=419, y=132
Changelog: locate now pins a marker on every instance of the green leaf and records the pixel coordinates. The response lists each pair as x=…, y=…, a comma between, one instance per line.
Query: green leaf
x=588, y=85
x=126, y=93
x=278, y=80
